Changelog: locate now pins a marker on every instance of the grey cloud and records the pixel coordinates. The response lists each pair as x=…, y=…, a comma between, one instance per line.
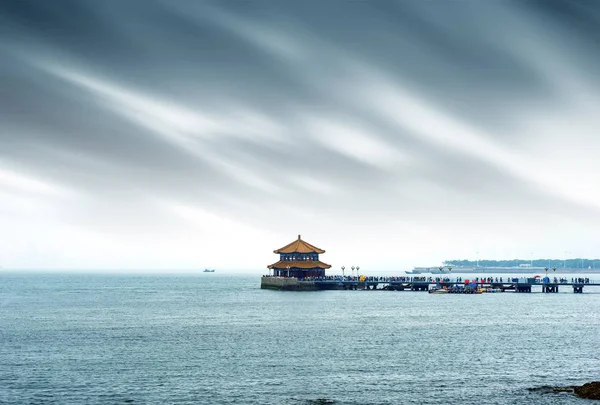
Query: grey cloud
x=460, y=57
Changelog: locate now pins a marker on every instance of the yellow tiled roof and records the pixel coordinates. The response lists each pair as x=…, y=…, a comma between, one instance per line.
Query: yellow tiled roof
x=299, y=246
x=299, y=264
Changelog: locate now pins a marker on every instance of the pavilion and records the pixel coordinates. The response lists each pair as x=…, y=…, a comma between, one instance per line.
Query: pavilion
x=299, y=259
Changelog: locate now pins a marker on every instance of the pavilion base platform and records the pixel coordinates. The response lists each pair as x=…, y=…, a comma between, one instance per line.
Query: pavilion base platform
x=287, y=284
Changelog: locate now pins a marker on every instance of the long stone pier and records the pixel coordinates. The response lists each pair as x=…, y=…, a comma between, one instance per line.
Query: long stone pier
x=519, y=285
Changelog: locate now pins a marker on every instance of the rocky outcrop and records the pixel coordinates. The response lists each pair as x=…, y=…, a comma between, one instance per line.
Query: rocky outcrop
x=590, y=390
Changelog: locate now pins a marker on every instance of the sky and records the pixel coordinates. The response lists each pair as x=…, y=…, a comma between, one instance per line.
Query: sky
x=163, y=135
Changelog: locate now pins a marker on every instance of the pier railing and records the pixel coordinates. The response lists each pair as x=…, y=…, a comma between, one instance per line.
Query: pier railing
x=422, y=283
x=453, y=280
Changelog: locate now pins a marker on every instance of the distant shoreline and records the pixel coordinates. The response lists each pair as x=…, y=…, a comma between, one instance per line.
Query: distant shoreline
x=499, y=270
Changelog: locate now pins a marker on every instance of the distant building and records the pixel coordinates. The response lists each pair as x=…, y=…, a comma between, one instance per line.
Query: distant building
x=299, y=259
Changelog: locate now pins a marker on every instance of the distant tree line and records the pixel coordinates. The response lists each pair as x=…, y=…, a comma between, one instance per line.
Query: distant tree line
x=558, y=263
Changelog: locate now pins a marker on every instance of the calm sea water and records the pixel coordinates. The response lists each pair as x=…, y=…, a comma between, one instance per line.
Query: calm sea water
x=213, y=339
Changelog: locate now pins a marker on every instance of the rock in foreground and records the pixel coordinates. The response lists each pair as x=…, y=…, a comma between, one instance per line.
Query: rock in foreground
x=590, y=390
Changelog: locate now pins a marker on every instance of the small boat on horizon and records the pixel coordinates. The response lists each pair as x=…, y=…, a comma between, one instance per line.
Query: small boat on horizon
x=209, y=270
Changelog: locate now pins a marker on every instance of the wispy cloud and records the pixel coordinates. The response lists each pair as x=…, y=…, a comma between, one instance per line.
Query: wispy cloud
x=149, y=128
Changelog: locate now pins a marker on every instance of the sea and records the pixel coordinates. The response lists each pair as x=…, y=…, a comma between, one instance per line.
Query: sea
x=219, y=339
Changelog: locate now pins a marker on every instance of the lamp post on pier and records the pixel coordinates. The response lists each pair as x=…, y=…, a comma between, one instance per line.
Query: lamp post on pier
x=343, y=268
x=352, y=271
x=288, y=270
x=357, y=268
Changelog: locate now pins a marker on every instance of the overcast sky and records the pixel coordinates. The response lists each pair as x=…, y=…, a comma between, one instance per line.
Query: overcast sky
x=158, y=135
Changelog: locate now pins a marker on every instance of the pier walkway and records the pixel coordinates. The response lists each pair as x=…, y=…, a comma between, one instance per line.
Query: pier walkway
x=521, y=285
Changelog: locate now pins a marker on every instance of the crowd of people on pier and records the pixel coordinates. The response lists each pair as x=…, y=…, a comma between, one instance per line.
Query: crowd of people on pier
x=439, y=280
x=369, y=279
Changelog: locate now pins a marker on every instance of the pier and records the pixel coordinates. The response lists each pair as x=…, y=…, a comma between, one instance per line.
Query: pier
x=518, y=285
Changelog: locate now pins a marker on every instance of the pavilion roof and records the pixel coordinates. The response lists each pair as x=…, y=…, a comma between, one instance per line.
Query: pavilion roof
x=299, y=264
x=299, y=246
